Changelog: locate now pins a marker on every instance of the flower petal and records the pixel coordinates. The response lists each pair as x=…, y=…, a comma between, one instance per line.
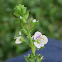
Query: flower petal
x=34, y=20
x=19, y=32
x=18, y=40
x=44, y=39
x=37, y=35
x=38, y=45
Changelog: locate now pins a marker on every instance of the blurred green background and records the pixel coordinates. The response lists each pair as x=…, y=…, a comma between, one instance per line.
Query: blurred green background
x=48, y=12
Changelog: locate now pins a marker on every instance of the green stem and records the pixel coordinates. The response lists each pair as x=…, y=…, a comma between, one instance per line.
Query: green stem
x=33, y=61
x=32, y=46
x=33, y=50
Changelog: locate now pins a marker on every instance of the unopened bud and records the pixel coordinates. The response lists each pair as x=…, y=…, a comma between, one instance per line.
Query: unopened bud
x=42, y=57
x=39, y=55
x=28, y=55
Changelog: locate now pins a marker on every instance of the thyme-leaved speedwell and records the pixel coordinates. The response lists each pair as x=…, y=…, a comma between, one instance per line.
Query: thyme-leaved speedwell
x=26, y=26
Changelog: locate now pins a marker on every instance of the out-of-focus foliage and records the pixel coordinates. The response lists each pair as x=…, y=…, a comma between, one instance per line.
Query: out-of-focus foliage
x=48, y=12
x=8, y=48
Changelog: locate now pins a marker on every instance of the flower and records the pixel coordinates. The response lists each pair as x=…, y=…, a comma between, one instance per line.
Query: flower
x=40, y=39
x=34, y=21
x=18, y=40
x=19, y=32
x=20, y=17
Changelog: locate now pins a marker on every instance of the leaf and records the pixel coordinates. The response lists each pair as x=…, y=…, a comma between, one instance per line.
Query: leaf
x=27, y=59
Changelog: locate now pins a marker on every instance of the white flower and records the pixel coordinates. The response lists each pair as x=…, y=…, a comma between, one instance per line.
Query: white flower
x=18, y=40
x=34, y=21
x=20, y=17
x=19, y=32
x=40, y=39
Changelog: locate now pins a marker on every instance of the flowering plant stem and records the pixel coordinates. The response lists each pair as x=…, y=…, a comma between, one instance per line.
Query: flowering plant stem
x=33, y=50
x=32, y=46
x=36, y=41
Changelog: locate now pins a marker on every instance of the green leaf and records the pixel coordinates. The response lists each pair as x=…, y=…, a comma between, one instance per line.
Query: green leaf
x=27, y=59
x=26, y=15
